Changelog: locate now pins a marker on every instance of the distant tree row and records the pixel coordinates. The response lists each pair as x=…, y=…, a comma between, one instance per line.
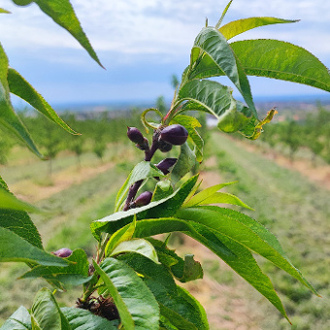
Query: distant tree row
x=313, y=133
x=97, y=132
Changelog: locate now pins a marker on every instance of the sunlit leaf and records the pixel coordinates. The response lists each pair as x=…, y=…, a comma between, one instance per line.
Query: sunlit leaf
x=223, y=14
x=121, y=235
x=237, y=27
x=281, y=60
x=139, y=246
x=201, y=196
x=224, y=198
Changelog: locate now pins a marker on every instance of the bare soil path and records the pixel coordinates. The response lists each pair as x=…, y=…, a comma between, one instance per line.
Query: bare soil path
x=32, y=192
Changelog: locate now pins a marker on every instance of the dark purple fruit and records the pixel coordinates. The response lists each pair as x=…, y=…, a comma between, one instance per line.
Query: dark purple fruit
x=174, y=134
x=166, y=164
x=135, y=135
x=143, y=199
x=144, y=145
x=164, y=146
x=63, y=253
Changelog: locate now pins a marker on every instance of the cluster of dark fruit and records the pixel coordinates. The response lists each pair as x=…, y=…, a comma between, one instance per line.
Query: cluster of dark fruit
x=100, y=306
x=163, y=139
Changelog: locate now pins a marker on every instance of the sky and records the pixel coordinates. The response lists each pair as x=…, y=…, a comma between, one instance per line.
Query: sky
x=141, y=43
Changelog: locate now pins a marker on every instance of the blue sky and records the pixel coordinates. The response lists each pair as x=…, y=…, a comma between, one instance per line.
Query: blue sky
x=143, y=42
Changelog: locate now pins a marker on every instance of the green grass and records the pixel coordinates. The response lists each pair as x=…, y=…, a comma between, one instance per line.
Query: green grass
x=297, y=212
x=27, y=167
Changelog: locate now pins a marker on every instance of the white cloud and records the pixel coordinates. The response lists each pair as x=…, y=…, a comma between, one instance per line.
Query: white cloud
x=155, y=26
x=134, y=33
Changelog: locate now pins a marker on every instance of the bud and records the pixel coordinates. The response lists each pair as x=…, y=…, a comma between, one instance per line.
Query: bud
x=63, y=253
x=135, y=135
x=164, y=146
x=143, y=199
x=144, y=145
x=174, y=134
x=166, y=164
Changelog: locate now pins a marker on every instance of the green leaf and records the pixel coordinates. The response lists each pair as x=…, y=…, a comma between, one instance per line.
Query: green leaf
x=162, y=284
x=139, y=246
x=223, y=14
x=45, y=313
x=121, y=235
x=162, y=190
x=76, y=273
x=136, y=305
x=150, y=270
x=141, y=171
x=8, y=117
x=15, y=248
x=281, y=60
x=61, y=11
x=19, y=320
x=211, y=47
x=254, y=128
x=184, y=270
x=148, y=124
x=162, y=208
x=22, y=2
x=234, y=254
x=21, y=224
x=246, y=231
x=225, y=198
x=20, y=87
x=192, y=269
x=81, y=319
x=4, y=11
x=9, y=201
x=180, y=308
x=184, y=164
x=216, y=99
x=235, y=28
x=204, y=194
x=17, y=221
x=190, y=123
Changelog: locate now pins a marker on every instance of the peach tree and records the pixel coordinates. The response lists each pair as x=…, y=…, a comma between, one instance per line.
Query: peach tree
x=132, y=280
